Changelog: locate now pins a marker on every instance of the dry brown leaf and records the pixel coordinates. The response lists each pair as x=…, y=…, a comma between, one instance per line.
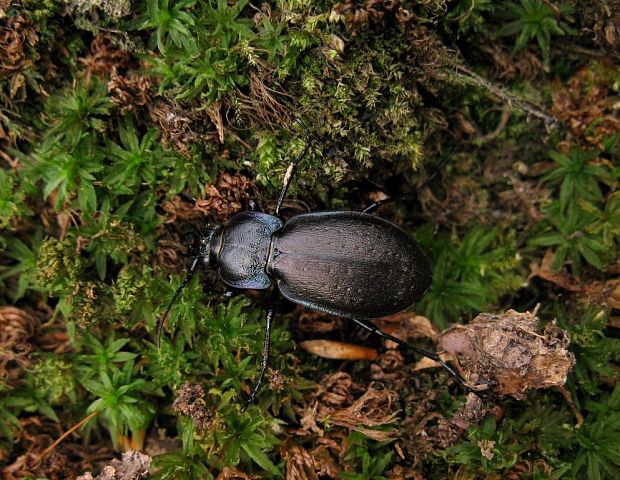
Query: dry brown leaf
x=105, y=57
x=338, y=350
x=407, y=326
x=313, y=321
x=425, y=363
x=586, y=104
x=336, y=389
x=226, y=196
x=545, y=271
x=389, y=367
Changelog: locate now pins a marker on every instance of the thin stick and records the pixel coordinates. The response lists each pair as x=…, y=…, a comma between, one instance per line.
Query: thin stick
x=67, y=433
x=511, y=100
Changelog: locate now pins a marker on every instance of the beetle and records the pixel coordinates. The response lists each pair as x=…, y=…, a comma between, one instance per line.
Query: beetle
x=349, y=264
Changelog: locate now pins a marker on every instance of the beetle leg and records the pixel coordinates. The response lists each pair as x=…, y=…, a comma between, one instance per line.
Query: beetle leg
x=186, y=280
x=271, y=313
x=290, y=171
x=374, y=205
x=432, y=355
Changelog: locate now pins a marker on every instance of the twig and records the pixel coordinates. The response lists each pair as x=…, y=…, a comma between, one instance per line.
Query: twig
x=67, y=433
x=511, y=100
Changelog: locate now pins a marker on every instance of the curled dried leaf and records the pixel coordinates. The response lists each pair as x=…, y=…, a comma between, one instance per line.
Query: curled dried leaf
x=358, y=15
x=226, y=196
x=375, y=408
x=389, y=367
x=407, y=326
x=105, y=57
x=504, y=353
x=337, y=389
x=300, y=464
x=17, y=327
x=545, y=271
x=129, y=94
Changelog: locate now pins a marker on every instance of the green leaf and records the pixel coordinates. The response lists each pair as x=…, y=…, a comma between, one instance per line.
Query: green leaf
x=260, y=458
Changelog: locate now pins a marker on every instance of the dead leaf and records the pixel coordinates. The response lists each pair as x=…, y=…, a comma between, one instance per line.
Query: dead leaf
x=503, y=353
x=407, y=326
x=545, y=271
x=338, y=350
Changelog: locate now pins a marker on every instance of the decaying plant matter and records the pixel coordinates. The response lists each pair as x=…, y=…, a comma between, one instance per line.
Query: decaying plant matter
x=504, y=355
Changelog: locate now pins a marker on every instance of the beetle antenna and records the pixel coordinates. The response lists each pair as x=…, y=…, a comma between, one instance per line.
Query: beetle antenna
x=290, y=171
x=192, y=269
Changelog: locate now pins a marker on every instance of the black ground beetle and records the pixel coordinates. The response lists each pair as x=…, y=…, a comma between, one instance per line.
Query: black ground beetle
x=350, y=264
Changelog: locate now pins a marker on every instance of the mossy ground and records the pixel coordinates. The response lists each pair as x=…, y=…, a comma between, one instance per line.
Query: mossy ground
x=496, y=126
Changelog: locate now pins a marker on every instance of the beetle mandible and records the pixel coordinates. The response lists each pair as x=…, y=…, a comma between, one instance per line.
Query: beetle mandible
x=349, y=264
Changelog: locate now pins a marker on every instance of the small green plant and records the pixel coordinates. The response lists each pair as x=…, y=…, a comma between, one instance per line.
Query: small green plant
x=487, y=449
x=137, y=161
x=468, y=275
x=567, y=232
x=104, y=357
x=584, y=224
x=12, y=200
x=368, y=461
x=85, y=109
x=25, y=268
x=577, y=176
x=120, y=404
x=9, y=422
x=67, y=172
x=188, y=311
x=247, y=438
x=180, y=466
x=534, y=20
x=172, y=23
x=599, y=440
x=594, y=350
